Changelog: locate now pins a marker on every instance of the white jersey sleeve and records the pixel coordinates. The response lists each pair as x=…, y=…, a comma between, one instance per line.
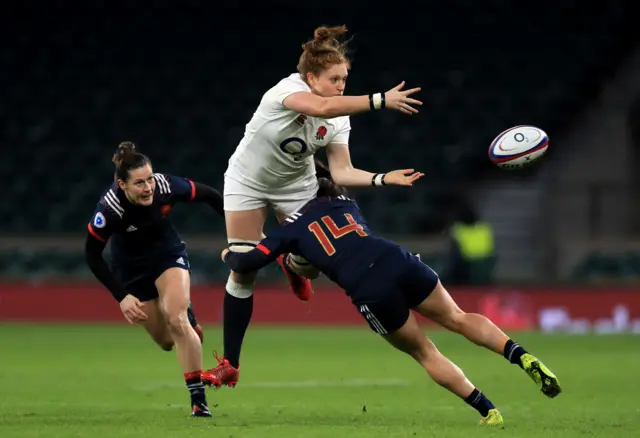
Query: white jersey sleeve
x=342, y=135
x=286, y=88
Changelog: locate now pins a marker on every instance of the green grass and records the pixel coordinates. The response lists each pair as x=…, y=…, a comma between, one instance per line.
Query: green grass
x=112, y=381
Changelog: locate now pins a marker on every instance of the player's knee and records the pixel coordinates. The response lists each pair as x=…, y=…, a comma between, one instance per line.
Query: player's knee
x=239, y=290
x=244, y=279
x=178, y=322
x=166, y=345
x=237, y=245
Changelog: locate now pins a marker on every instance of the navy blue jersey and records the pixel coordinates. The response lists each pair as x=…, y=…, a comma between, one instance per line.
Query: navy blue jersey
x=333, y=236
x=140, y=233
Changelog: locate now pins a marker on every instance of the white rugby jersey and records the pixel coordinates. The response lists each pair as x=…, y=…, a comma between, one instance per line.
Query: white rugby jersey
x=278, y=144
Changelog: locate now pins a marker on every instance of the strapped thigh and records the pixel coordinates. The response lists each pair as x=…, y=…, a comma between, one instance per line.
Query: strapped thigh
x=241, y=245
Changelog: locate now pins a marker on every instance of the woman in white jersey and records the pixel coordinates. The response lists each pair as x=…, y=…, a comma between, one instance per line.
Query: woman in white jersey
x=273, y=165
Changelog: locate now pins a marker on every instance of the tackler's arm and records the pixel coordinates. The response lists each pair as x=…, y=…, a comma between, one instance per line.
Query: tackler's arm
x=246, y=262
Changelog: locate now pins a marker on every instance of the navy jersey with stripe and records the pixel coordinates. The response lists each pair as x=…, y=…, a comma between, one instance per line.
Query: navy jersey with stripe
x=333, y=236
x=140, y=233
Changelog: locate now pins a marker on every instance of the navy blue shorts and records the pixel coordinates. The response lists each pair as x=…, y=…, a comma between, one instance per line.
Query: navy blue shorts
x=140, y=279
x=398, y=281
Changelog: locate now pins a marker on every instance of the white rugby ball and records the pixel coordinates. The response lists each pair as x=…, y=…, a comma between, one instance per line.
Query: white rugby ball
x=518, y=147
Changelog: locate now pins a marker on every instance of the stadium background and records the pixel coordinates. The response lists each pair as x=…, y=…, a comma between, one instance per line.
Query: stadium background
x=183, y=84
x=181, y=81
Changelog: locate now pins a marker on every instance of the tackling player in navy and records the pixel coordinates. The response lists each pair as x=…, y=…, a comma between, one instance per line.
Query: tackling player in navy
x=149, y=274
x=384, y=282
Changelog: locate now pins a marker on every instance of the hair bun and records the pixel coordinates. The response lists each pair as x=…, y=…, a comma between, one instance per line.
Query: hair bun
x=322, y=34
x=125, y=148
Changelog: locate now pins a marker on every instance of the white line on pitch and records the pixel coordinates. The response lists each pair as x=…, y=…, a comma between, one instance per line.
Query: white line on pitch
x=292, y=384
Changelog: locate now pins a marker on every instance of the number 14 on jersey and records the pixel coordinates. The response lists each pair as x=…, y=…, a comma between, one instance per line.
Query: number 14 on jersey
x=335, y=231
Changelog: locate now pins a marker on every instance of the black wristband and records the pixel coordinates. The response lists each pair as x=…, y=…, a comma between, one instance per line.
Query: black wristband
x=371, y=102
x=384, y=102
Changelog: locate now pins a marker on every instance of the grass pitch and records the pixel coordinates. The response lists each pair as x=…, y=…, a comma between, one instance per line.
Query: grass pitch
x=112, y=381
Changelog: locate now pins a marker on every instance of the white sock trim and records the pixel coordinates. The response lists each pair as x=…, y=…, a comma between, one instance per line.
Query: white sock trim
x=238, y=290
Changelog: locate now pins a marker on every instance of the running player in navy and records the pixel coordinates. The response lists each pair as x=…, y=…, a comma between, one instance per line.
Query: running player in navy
x=149, y=274
x=384, y=282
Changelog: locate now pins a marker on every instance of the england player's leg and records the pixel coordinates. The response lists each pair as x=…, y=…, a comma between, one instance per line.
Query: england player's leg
x=245, y=214
x=442, y=309
x=173, y=285
x=387, y=312
x=244, y=231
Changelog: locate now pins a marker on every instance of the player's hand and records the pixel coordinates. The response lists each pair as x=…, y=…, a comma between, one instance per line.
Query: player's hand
x=132, y=309
x=402, y=177
x=399, y=100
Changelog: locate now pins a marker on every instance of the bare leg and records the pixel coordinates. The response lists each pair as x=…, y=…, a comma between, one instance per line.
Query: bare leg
x=442, y=309
x=173, y=287
x=156, y=325
x=411, y=340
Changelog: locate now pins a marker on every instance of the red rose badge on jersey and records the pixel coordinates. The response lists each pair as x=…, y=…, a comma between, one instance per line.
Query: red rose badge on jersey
x=322, y=131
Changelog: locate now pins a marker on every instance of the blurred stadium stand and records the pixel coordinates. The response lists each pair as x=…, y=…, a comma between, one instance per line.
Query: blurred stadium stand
x=182, y=84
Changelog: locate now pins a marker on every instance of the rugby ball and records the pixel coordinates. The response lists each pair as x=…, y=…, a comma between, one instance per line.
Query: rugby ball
x=301, y=266
x=518, y=147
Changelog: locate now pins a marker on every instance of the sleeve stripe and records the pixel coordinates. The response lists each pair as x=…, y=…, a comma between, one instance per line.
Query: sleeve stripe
x=94, y=234
x=112, y=201
x=163, y=184
x=193, y=190
x=263, y=248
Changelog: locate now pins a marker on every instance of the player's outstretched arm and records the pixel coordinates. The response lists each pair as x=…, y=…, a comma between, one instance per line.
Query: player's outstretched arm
x=344, y=174
x=310, y=104
x=175, y=188
x=279, y=241
x=252, y=261
x=209, y=195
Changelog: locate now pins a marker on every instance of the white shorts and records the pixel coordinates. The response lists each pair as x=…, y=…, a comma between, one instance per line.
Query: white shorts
x=284, y=200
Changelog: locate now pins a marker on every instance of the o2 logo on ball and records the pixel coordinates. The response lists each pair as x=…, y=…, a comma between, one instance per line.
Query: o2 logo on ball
x=294, y=146
x=518, y=146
